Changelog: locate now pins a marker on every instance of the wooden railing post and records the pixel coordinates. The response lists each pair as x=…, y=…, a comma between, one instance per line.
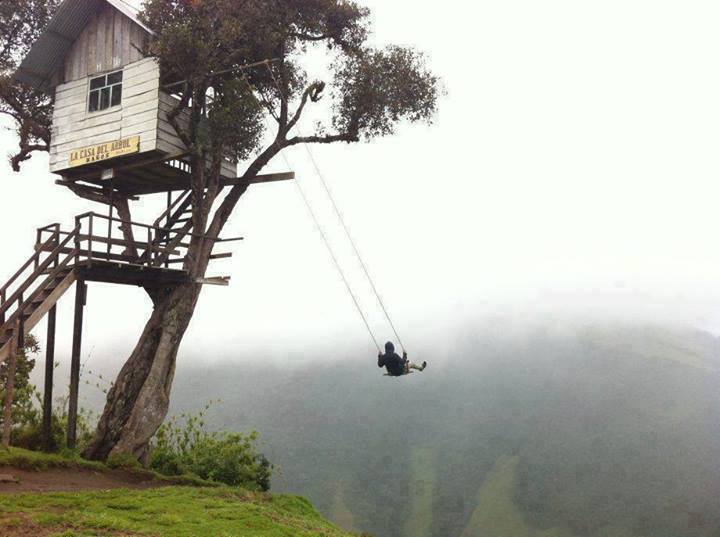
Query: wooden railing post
x=38, y=243
x=150, y=247
x=111, y=212
x=91, y=226
x=168, y=224
x=77, y=239
x=56, y=238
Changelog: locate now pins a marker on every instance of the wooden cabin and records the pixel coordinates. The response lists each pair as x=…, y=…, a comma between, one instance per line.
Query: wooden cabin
x=110, y=113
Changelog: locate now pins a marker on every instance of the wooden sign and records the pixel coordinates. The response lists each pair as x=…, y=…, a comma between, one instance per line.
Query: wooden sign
x=96, y=153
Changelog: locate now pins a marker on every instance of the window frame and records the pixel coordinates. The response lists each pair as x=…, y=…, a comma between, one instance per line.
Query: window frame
x=111, y=87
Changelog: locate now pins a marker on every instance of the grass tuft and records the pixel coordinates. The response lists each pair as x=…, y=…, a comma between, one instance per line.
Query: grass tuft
x=34, y=461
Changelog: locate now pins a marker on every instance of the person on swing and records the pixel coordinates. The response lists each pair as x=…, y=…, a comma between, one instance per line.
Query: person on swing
x=396, y=366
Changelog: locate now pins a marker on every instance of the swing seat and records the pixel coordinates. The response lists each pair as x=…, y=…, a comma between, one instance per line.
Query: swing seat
x=399, y=376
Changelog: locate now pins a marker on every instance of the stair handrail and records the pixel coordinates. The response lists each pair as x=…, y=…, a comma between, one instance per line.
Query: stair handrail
x=172, y=206
x=150, y=246
x=159, y=228
x=33, y=258
x=21, y=308
x=38, y=271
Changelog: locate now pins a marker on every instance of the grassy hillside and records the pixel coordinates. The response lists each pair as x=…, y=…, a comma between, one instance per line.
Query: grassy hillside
x=157, y=506
x=422, y=485
x=496, y=514
x=162, y=512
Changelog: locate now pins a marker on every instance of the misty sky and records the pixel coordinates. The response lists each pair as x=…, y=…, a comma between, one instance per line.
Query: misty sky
x=572, y=168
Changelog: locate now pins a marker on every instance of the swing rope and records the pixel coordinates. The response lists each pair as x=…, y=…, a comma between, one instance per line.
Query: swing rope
x=324, y=236
x=333, y=256
x=354, y=246
x=342, y=220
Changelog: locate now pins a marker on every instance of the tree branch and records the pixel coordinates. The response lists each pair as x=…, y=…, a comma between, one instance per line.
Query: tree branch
x=327, y=139
x=310, y=37
x=222, y=214
x=312, y=93
x=24, y=154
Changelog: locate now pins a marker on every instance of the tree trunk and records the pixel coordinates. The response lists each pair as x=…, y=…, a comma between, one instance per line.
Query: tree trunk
x=138, y=402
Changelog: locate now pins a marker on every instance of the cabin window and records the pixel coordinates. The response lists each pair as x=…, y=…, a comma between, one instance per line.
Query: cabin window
x=105, y=91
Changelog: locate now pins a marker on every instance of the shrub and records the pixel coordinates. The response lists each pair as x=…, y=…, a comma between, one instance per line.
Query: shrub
x=28, y=433
x=27, y=406
x=22, y=407
x=230, y=458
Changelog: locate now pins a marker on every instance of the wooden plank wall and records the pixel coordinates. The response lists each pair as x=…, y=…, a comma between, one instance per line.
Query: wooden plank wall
x=111, y=40
x=74, y=127
x=168, y=140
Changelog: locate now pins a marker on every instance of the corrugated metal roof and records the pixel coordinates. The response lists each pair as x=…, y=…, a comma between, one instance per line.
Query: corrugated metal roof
x=47, y=54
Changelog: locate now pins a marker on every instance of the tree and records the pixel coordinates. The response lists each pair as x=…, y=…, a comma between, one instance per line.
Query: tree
x=237, y=65
x=21, y=21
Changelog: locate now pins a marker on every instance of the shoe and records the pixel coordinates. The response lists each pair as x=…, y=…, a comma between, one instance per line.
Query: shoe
x=424, y=365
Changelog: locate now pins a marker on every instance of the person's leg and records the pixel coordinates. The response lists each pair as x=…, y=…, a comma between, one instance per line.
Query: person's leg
x=411, y=365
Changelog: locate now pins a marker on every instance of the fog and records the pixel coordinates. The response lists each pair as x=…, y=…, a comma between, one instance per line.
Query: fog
x=571, y=173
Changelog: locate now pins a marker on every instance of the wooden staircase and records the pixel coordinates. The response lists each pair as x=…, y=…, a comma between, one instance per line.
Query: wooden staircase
x=24, y=302
x=173, y=227
x=95, y=251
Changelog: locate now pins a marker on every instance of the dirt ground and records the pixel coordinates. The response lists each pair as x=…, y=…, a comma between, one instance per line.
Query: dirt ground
x=71, y=480
x=63, y=480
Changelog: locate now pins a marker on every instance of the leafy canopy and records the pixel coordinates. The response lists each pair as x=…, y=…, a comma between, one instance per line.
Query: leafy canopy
x=205, y=43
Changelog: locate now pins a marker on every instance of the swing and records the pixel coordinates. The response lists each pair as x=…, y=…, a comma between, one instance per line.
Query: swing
x=346, y=229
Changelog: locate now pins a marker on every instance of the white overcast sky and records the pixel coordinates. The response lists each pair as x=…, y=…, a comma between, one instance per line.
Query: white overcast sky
x=572, y=169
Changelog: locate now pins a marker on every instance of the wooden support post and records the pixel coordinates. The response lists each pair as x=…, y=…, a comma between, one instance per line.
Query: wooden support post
x=18, y=336
x=80, y=301
x=110, y=221
x=49, y=371
x=168, y=223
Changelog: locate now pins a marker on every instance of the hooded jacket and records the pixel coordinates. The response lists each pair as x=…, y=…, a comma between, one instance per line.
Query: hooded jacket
x=391, y=361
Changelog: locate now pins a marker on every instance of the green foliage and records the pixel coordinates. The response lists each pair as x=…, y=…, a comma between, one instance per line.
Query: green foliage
x=20, y=24
x=165, y=512
x=376, y=90
x=21, y=21
x=27, y=412
x=205, y=43
x=229, y=458
x=24, y=395
x=124, y=461
x=28, y=433
x=37, y=461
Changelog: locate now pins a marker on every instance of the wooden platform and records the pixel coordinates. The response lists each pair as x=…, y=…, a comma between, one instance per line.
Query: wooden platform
x=149, y=173
x=129, y=274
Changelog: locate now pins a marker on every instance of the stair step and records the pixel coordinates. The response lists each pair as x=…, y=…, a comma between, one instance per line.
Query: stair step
x=42, y=297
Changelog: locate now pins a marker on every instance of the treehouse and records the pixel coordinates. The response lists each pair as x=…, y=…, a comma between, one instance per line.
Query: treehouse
x=112, y=142
x=111, y=110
